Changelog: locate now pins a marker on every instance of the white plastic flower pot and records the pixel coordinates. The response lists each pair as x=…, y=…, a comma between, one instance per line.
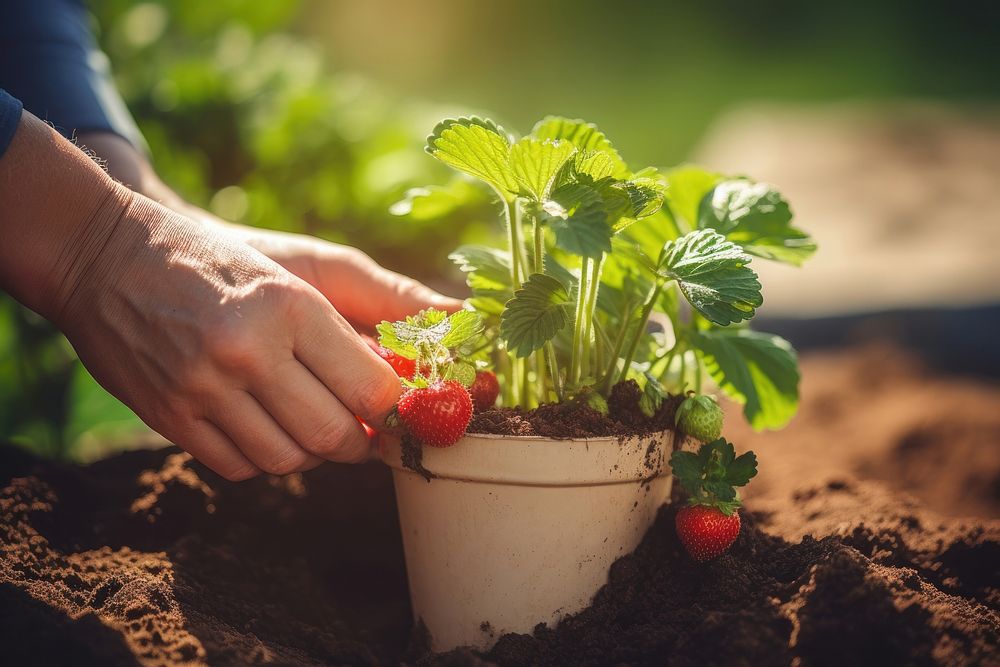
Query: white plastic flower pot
x=516, y=531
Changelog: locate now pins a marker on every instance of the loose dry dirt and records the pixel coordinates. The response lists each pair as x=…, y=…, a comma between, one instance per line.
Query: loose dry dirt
x=147, y=558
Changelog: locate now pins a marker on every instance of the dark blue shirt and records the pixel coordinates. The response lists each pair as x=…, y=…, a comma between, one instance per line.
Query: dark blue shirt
x=10, y=114
x=50, y=62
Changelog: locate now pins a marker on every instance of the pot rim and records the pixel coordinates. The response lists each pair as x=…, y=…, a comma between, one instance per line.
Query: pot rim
x=541, y=461
x=592, y=438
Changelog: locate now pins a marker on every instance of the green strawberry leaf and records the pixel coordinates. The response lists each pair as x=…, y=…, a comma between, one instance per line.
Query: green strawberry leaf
x=652, y=396
x=711, y=476
x=406, y=337
x=427, y=330
x=437, y=201
x=537, y=162
x=727, y=508
x=719, y=490
x=755, y=216
x=630, y=201
x=741, y=469
x=463, y=325
x=477, y=147
x=576, y=215
x=756, y=369
x=593, y=166
x=487, y=272
x=713, y=274
x=462, y=371
x=689, y=184
x=585, y=136
x=687, y=469
x=538, y=311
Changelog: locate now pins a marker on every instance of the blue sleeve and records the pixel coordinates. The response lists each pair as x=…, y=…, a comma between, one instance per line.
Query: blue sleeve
x=49, y=60
x=10, y=116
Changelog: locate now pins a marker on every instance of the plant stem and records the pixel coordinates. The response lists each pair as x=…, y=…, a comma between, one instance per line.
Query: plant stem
x=595, y=284
x=640, y=328
x=550, y=355
x=503, y=366
x=538, y=243
x=578, y=325
x=513, y=221
x=697, y=372
x=683, y=370
x=512, y=216
x=602, y=349
x=616, y=353
x=668, y=359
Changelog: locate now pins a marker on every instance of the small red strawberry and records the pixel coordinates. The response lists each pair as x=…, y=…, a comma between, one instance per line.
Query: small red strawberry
x=437, y=415
x=405, y=368
x=705, y=531
x=484, y=390
x=709, y=524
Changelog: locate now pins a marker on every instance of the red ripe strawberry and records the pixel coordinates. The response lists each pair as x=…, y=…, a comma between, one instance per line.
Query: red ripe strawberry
x=437, y=415
x=705, y=531
x=405, y=368
x=484, y=390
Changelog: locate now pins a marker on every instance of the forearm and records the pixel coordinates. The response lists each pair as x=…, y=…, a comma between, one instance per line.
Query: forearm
x=132, y=168
x=57, y=210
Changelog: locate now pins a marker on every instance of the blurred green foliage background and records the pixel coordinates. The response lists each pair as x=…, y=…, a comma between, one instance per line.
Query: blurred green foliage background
x=309, y=116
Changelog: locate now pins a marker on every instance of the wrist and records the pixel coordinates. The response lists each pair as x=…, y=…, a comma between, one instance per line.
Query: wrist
x=56, y=209
x=85, y=243
x=128, y=240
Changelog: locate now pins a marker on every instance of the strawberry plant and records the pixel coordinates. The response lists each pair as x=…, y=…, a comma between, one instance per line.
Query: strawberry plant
x=611, y=274
x=608, y=274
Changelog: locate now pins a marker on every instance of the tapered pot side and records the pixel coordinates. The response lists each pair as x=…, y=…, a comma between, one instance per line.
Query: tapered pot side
x=516, y=531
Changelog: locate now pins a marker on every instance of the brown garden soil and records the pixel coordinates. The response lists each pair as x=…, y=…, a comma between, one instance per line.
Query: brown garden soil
x=147, y=558
x=577, y=419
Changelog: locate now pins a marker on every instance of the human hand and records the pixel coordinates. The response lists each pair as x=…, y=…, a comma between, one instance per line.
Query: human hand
x=224, y=352
x=360, y=289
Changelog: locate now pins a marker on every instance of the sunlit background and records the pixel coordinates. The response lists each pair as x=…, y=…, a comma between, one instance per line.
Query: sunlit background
x=878, y=120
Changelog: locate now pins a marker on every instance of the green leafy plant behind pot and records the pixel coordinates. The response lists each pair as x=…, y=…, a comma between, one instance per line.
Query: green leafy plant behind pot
x=611, y=274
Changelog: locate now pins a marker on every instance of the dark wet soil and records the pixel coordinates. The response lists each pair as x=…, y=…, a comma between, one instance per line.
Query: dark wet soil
x=148, y=558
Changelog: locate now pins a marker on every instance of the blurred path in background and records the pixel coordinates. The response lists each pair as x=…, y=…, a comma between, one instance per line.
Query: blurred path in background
x=902, y=199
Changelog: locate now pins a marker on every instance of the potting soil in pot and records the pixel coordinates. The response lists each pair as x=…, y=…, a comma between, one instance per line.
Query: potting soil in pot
x=576, y=420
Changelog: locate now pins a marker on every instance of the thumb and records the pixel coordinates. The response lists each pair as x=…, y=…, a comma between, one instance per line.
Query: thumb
x=367, y=293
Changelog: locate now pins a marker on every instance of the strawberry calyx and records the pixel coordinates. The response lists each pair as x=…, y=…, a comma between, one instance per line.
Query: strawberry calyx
x=432, y=340
x=711, y=475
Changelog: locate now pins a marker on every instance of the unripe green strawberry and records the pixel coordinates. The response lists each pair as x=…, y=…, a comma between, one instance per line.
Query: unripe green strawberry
x=700, y=417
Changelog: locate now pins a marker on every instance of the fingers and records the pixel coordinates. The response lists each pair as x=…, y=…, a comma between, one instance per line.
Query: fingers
x=259, y=437
x=367, y=293
x=340, y=359
x=311, y=415
x=214, y=448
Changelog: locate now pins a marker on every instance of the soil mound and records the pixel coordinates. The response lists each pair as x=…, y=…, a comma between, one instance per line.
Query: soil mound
x=148, y=558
